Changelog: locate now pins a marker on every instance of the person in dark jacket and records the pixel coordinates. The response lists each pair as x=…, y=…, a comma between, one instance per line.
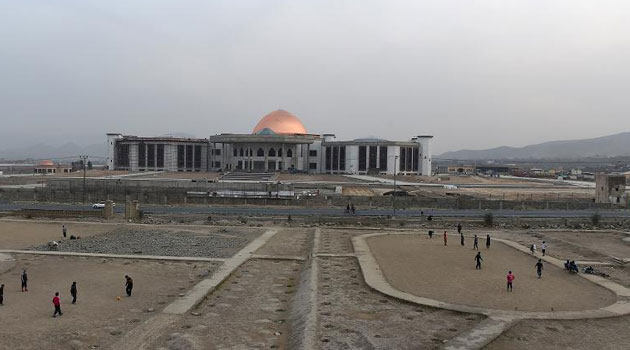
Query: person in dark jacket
x=478, y=258
x=128, y=285
x=24, y=279
x=1, y=294
x=73, y=292
x=488, y=241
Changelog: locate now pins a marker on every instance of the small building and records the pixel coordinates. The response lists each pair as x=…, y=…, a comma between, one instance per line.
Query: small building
x=611, y=188
x=456, y=169
x=49, y=167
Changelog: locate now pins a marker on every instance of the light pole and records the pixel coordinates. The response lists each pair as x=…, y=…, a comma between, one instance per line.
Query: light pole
x=84, y=165
x=394, y=193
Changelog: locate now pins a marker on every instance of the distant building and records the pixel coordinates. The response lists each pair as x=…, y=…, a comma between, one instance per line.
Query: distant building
x=279, y=142
x=611, y=189
x=49, y=167
x=456, y=169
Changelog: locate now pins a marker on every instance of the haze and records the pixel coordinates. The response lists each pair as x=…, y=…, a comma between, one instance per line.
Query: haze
x=475, y=74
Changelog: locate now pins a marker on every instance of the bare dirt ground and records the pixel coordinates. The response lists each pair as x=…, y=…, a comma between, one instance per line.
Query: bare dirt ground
x=97, y=319
x=608, y=333
x=180, y=175
x=313, y=177
x=248, y=311
x=425, y=267
x=254, y=307
x=21, y=234
x=353, y=316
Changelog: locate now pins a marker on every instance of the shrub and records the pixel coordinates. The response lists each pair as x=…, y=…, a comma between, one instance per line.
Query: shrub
x=595, y=219
x=488, y=219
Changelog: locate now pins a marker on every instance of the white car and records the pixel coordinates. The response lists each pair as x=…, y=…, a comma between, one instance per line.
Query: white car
x=101, y=205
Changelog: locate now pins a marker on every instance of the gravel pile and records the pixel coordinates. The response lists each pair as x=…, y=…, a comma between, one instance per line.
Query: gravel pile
x=145, y=242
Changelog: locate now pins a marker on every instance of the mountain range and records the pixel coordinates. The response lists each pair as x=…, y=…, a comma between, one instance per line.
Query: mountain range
x=604, y=146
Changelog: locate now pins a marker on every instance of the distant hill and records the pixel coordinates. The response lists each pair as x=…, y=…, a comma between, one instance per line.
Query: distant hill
x=605, y=146
x=44, y=151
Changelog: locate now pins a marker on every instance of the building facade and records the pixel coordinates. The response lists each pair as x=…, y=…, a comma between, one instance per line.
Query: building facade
x=279, y=142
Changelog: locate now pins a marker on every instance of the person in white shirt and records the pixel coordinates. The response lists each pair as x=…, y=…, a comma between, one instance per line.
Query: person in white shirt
x=543, y=248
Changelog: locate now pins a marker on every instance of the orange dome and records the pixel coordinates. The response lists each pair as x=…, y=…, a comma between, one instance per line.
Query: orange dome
x=46, y=163
x=280, y=122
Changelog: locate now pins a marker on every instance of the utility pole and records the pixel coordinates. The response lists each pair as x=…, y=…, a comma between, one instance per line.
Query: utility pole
x=394, y=193
x=84, y=165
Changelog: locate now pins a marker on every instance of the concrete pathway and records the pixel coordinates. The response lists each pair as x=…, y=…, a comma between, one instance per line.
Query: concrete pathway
x=7, y=262
x=195, y=295
x=480, y=336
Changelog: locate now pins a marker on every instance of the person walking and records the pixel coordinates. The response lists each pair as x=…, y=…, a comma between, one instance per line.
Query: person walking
x=488, y=241
x=459, y=228
x=348, y=208
x=128, y=285
x=430, y=234
x=461, y=235
x=445, y=239
x=532, y=248
x=63, y=230
x=510, y=279
x=539, y=268
x=24, y=279
x=73, y=292
x=1, y=294
x=478, y=258
x=57, y=303
x=352, y=208
x=476, y=243
x=543, y=248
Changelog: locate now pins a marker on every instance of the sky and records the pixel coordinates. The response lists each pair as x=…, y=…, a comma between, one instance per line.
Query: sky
x=475, y=74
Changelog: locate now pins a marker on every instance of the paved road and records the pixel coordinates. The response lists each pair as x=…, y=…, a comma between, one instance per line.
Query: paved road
x=283, y=211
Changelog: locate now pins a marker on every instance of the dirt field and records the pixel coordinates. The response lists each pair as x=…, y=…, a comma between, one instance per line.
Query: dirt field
x=608, y=333
x=424, y=267
x=23, y=234
x=97, y=319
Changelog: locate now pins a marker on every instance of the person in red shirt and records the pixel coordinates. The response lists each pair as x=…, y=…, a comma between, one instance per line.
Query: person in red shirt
x=445, y=238
x=510, y=278
x=57, y=302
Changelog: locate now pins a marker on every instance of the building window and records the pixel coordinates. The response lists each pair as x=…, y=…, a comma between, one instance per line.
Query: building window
x=142, y=154
x=197, y=157
x=312, y=153
x=151, y=156
x=401, y=163
x=189, y=156
x=279, y=152
x=362, y=158
x=335, y=160
x=235, y=152
x=217, y=164
x=272, y=152
x=289, y=153
x=342, y=158
x=216, y=151
x=327, y=154
x=408, y=160
x=312, y=166
x=383, y=158
x=181, y=156
x=260, y=152
x=241, y=152
x=414, y=159
x=373, y=157
x=122, y=155
x=160, y=155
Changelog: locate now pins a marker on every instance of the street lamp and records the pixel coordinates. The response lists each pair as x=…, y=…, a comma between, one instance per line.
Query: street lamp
x=84, y=164
x=394, y=193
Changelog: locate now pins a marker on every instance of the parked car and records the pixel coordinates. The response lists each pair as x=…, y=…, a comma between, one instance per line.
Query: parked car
x=101, y=205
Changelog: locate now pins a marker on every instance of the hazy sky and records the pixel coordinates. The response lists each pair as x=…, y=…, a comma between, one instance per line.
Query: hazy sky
x=475, y=74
